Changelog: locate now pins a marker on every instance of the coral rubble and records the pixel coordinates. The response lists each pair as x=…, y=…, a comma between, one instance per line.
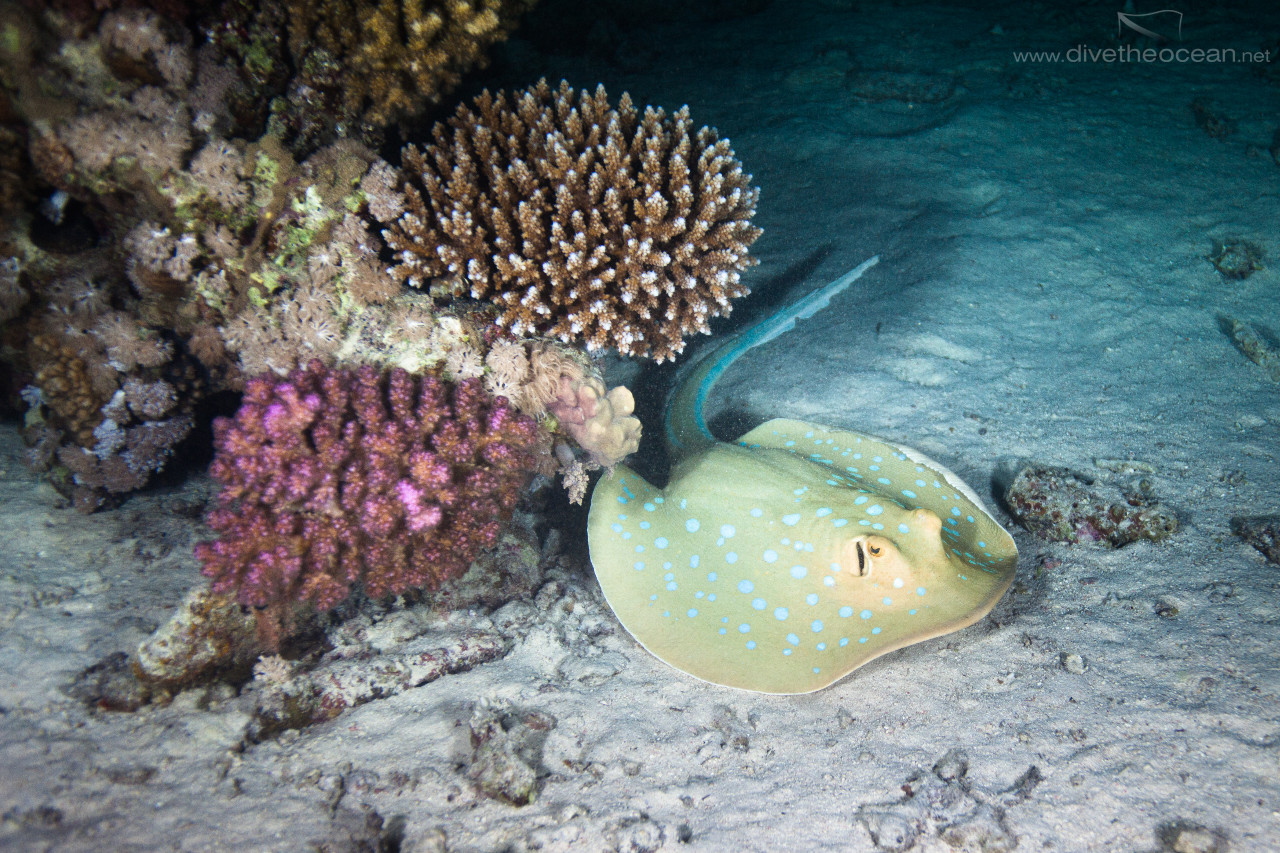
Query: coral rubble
x=1254, y=346
x=581, y=221
x=1235, y=258
x=1063, y=506
x=1262, y=532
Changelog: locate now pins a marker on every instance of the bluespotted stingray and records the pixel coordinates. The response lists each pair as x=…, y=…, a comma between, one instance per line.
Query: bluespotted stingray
x=784, y=561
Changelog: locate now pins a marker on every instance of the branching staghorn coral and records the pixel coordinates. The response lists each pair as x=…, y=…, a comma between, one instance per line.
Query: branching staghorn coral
x=580, y=221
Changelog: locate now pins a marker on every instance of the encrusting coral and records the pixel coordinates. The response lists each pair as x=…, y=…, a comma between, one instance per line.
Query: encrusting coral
x=331, y=68
x=580, y=221
x=335, y=477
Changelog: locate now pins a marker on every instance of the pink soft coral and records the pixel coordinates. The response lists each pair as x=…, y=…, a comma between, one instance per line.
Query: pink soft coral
x=334, y=477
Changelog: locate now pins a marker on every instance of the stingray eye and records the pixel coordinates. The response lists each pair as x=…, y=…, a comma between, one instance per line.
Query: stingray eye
x=874, y=550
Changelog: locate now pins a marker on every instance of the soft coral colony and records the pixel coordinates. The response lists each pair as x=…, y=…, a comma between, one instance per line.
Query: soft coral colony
x=411, y=342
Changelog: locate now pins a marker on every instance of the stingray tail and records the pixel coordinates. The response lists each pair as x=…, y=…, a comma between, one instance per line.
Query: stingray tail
x=684, y=422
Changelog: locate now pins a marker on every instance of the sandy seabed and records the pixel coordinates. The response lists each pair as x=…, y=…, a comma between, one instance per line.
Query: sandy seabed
x=1043, y=293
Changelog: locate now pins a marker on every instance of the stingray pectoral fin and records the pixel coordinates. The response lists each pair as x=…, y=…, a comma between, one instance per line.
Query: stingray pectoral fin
x=903, y=475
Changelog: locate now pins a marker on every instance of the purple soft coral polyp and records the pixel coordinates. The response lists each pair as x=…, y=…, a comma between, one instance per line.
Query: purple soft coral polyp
x=334, y=477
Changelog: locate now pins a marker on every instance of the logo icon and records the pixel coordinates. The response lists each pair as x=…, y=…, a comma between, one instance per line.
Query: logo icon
x=1166, y=20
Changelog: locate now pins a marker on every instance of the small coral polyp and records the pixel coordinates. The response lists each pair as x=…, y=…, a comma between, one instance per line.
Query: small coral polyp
x=335, y=477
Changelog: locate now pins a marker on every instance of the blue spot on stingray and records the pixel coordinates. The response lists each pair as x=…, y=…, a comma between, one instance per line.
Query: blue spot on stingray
x=692, y=525
x=902, y=528
x=969, y=518
x=727, y=531
x=769, y=556
x=921, y=483
x=693, y=561
x=887, y=601
x=884, y=481
x=615, y=527
x=792, y=519
x=660, y=542
x=746, y=587
x=786, y=651
x=877, y=526
x=875, y=630
x=912, y=612
x=711, y=597
x=828, y=581
x=648, y=507
x=800, y=491
x=811, y=599
x=731, y=557
x=780, y=614
x=644, y=525
x=621, y=499
x=816, y=625
x=816, y=670
x=711, y=576
x=846, y=612
x=860, y=639
x=876, y=459
x=724, y=631
x=875, y=509
x=860, y=500
x=671, y=587
x=955, y=510
x=920, y=590
x=744, y=628
x=639, y=566
x=699, y=594
x=793, y=639
x=666, y=614
x=691, y=612
x=751, y=644
x=983, y=545
x=822, y=647
x=866, y=614
x=873, y=467
x=844, y=641
x=669, y=576
x=840, y=522
x=757, y=512
x=823, y=511
x=908, y=493
x=757, y=603
x=798, y=572
x=639, y=549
